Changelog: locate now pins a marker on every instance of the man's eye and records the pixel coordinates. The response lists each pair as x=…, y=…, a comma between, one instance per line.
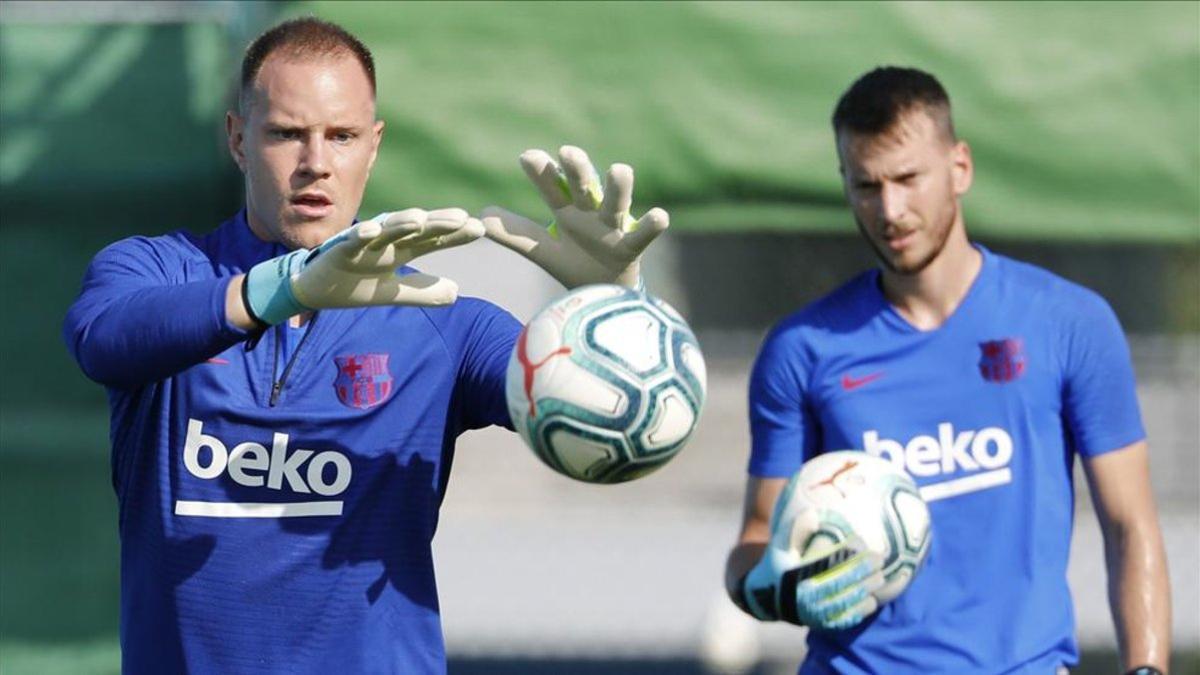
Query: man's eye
x=343, y=137
x=286, y=134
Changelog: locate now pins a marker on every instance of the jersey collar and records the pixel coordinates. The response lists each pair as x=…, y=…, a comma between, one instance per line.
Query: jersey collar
x=987, y=273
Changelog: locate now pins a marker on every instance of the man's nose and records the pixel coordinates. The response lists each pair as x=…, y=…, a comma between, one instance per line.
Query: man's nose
x=893, y=202
x=314, y=158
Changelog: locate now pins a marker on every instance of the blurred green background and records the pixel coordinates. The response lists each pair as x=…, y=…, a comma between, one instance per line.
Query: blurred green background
x=1085, y=118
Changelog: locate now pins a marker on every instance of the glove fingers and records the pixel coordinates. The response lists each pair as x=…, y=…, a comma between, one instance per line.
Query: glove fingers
x=645, y=230
x=618, y=195
x=867, y=606
x=843, y=566
x=842, y=601
x=836, y=605
x=396, y=218
x=420, y=289
x=442, y=228
x=397, y=226
x=850, y=573
x=349, y=242
x=447, y=219
x=582, y=181
x=513, y=231
x=364, y=232
x=546, y=177
x=874, y=582
x=847, y=614
x=593, y=236
x=460, y=234
x=435, y=224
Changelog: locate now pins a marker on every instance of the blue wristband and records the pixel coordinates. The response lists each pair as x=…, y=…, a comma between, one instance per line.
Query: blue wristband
x=268, y=289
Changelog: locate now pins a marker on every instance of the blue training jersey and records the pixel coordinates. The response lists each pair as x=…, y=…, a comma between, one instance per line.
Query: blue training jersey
x=987, y=414
x=276, y=514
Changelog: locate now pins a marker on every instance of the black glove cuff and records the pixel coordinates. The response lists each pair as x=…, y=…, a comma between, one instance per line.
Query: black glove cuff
x=246, y=304
x=260, y=326
x=739, y=595
x=791, y=580
x=764, y=598
x=787, y=595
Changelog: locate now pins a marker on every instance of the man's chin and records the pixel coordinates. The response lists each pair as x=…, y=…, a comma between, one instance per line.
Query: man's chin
x=310, y=233
x=905, y=263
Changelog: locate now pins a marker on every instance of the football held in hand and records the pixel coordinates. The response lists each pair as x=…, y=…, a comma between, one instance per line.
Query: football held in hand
x=855, y=497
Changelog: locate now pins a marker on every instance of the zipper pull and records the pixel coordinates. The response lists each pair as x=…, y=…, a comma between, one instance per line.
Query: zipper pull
x=275, y=390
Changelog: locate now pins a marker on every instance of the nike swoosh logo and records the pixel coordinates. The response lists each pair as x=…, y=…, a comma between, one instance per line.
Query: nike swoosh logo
x=218, y=361
x=852, y=383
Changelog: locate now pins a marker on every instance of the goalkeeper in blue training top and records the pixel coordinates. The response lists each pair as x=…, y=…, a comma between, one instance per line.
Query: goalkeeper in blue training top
x=985, y=378
x=286, y=393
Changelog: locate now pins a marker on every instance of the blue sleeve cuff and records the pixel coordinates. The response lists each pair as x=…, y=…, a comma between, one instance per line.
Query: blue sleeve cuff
x=225, y=329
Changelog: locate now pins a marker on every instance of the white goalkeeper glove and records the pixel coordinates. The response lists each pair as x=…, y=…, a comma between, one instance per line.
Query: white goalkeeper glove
x=832, y=592
x=358, y=267
x=592, y=238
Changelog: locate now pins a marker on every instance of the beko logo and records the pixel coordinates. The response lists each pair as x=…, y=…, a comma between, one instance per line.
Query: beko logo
x=251, y=464
x=983, y=455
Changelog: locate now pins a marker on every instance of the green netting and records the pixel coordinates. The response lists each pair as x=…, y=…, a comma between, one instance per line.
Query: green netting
x=110, y=108
x=106, y=130
x=1084, y=118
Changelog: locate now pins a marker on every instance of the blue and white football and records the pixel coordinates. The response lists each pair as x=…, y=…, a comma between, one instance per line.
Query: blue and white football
x=851, y=495
x=606, y=384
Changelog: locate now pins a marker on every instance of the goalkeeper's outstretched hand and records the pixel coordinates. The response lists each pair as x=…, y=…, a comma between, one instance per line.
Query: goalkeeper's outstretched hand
x=358, y=266
x=832, y=592
x=592, y=238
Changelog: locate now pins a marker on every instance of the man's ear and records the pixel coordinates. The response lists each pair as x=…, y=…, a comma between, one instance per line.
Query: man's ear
x=376, y=139
x=234, y=128
x=963, y=169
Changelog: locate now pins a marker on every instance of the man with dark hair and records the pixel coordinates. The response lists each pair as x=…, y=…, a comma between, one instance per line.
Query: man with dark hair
x=286, y=394
x=880, y=98
x=984, y=378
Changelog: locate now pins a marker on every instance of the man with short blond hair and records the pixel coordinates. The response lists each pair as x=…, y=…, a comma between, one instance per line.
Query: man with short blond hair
x=286, y=392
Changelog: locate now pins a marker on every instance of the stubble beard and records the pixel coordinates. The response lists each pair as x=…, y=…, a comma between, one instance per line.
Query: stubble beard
x=304, y=234
x=940, y=235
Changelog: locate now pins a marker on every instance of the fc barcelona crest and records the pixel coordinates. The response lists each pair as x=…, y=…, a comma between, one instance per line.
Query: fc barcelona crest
x=363, y=380
x=1002, y=360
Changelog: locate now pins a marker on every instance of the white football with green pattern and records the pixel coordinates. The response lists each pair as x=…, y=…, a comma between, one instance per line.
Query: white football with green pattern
x=848, y=493
x=606, y=384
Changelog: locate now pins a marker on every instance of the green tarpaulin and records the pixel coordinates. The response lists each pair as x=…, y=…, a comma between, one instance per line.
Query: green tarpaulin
x=1084, y=118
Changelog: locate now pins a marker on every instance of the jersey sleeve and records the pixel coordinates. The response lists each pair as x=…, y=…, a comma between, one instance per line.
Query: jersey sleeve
x=487, y=347
x=1099, y=394
x=135, y=323
x=783, y=431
